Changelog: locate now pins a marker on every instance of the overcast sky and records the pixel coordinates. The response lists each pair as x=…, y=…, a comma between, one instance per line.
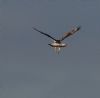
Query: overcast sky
x=29, y=68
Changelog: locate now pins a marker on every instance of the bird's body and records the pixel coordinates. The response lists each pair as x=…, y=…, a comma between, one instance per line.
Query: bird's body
x=57, y=44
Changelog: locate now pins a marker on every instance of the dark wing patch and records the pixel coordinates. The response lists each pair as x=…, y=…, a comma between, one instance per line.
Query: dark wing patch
x=44, y=33
x=67, y=34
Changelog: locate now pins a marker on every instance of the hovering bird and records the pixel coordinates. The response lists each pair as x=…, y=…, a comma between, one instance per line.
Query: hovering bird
x=57, y=43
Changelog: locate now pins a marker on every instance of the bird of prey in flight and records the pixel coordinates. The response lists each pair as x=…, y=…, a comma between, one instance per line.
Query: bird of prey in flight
x=57, y=43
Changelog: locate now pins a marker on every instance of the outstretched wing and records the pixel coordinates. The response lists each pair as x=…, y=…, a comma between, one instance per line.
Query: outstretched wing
x=44, y=33
x=67, y=34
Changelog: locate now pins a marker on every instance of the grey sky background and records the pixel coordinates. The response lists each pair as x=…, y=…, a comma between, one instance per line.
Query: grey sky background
x=29, y=68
